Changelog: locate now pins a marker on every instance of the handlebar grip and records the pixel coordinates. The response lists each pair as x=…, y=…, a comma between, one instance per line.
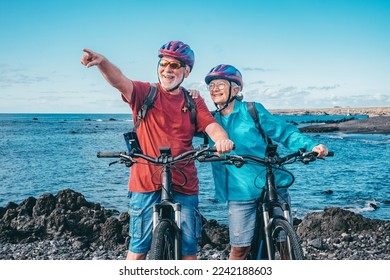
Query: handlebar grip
x=213, y=158
x=212, y=149
x=109, y=154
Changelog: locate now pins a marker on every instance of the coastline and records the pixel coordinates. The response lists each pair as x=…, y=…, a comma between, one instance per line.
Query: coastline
x=348, y=111
x=378, y=121
x=369, y=111
x=371, y=125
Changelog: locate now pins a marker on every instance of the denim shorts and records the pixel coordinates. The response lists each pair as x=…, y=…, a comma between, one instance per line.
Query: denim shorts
x=141, y=222
x=242, y=219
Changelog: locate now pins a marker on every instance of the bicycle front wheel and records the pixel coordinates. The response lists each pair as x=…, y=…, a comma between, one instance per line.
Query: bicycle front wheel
x=163, y=242
x=285, y=243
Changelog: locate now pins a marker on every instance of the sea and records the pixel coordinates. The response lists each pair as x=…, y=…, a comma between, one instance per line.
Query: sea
x=46, y=153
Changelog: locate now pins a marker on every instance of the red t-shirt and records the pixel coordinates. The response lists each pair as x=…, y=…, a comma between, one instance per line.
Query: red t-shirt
x=166, y=124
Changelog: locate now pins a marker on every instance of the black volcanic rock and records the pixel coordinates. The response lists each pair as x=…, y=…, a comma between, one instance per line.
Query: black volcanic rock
x=66, y=226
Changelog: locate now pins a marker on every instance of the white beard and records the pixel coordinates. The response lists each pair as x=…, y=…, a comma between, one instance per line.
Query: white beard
x=169, y=84
x=168, y=87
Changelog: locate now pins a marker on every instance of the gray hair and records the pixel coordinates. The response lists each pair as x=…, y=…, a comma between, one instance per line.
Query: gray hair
x=239, y=95
x=234, y=85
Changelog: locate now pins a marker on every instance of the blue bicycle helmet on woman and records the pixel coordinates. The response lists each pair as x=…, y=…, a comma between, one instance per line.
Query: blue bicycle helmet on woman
x=178, y=50
x=229, y=73
x=226, y=72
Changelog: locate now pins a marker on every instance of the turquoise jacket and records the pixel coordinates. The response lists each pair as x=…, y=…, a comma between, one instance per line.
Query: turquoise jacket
x=245, y=183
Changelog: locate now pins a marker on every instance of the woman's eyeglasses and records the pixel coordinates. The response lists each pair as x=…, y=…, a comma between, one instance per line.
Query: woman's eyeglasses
x=172, y=64
x=219, y=86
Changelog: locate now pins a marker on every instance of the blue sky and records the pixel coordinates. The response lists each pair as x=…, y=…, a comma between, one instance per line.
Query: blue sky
x=292, y=54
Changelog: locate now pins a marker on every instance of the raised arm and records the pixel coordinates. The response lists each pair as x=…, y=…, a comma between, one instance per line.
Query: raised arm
x=110, y=72
x=220, y=138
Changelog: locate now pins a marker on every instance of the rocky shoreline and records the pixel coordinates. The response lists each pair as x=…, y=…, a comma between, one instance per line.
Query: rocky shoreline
x=377, y=121
x=66, y=226
x=346, y=111
x=371, y=125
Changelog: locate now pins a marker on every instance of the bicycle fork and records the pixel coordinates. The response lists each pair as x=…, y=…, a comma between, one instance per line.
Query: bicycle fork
x=164, y=211
x=268, y=226
x=158, y=213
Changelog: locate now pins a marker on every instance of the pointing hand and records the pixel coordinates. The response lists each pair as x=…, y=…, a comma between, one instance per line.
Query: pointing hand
x=91, y=58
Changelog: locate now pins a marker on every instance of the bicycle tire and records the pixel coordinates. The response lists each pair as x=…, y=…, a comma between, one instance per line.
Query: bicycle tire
x=290, y=249
x=163, y=242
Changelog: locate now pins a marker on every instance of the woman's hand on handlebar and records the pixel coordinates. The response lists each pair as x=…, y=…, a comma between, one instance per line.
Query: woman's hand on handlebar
x=224, y=146
x=321, y=150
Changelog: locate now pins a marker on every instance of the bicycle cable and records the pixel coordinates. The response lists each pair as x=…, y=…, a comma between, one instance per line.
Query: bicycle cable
x=274, y=169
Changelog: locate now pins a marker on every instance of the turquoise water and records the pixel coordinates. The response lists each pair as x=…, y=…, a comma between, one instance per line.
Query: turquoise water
x=57, y=151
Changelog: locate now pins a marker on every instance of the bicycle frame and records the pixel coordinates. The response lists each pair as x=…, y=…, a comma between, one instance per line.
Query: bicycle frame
x=270, y=201
x=271, y=227
x=167, y=209
x=166, y=213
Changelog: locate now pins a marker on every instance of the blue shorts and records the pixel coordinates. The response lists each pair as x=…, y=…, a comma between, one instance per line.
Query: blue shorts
x=242, y=219
x=141, y=222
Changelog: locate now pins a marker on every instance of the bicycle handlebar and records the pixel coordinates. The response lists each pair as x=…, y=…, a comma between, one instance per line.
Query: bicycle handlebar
x=239, y=160
x=128, y=157
x=204, y=153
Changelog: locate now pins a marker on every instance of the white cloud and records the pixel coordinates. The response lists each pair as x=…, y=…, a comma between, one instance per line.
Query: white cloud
x=10, y=77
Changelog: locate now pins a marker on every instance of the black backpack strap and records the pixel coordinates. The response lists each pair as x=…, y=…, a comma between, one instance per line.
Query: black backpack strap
x=148, y=103
x=253, y=112
x=204, y=134
x=190, y=104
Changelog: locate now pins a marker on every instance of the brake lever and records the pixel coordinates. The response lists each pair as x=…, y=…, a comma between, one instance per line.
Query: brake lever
x=236, y=163
x=128, y=162
x=114, y=162
x=308, y=157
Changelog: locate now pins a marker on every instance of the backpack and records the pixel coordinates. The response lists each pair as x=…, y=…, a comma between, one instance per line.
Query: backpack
x=151, y=97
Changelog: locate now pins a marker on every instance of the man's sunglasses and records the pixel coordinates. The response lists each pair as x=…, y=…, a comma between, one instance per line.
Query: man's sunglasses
x=172, y=64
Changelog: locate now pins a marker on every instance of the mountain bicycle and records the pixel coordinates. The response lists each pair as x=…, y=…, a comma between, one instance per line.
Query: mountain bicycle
x=167, y=233
x=275, y=237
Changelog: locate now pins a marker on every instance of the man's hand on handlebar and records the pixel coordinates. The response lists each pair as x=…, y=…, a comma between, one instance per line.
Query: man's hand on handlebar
x=224, y=146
